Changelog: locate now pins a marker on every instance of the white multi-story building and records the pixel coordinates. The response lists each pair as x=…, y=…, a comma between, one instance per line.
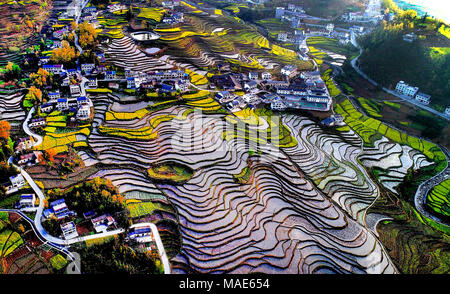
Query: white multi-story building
x=330, y=27
x=62, y=104
x=110, y=75
x=423, y=98
x=131, y=83
x=75, y=90
x=266, y=76
x=279, y=13
x=289, y=70
x=53, y=96
x=182, y=85
x=405, y=89
x=277, y=104
x=282, y=36
x=17, y=181
x=253, y=75
x=87, y=67
x=84, y=112
x=53, y=68
x=92, y=83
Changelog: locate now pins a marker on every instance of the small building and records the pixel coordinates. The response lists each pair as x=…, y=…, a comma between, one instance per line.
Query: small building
x=266, y=76
x=282, y=36
x=131, y=83
x=411, y=37
x=250, y=98
x=26, y=201
x=53, y=96
x=75, y=90
x=269, y=97
x=330, y=28
x=69, y=230
x=405, y=89
x=60, y=209
x=62, y=104
x=128, y=73
x=182, y=86
x=72, y=73
x=17, y=181
x=447, y=111
x=338, y=118
x=43, y=60
x=37, y=122
x=92, y=83
x=46, y=108
x=166, y=88
x=89, y=214
x=87, y=67
x=53, y=68
x=225, y=96
x=26, y=158
x=101, y=68
x=25, y=143
x=82, y=100
x=279, y=12
x=289, y=70
x=102, y=222
x=253, y=76
x=423, y=98
x=329, y=121
x=141, y=233
x=296, y=22
x=114, y=86
x=277, y=104
x=65, y=81
x=84, y=112
x=110, y=75
x=250, y=85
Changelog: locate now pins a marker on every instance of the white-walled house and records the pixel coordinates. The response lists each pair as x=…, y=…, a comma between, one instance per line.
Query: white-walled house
x=266, y=76
x=423, y=98
x=447, y=111
x=405, y=89
x=289, y=70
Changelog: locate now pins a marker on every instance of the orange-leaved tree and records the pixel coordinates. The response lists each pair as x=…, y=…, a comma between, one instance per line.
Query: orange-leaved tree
x=5, y=127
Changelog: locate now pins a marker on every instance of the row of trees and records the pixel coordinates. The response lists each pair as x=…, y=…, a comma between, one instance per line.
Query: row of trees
x=115, y=257
x=87, y=36
x=6, y=150
x=10, y=72
x=65, y=55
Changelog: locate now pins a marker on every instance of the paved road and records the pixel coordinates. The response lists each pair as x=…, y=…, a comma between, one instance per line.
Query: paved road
x=422, y=191
x=62, y=249
x=159, y=244
x=29, y=132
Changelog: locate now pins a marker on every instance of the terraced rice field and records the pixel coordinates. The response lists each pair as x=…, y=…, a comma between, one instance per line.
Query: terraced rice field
x=438, y=199
x=275, y=219
x=371, y=130
x=10, y=107
x=123, y=52
x=205, y=41
x=9, y=241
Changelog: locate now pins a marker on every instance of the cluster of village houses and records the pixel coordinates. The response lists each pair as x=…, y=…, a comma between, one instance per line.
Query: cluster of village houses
x=59, y=210
x=412, y=92
x=304, y=90
x=296, y=16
